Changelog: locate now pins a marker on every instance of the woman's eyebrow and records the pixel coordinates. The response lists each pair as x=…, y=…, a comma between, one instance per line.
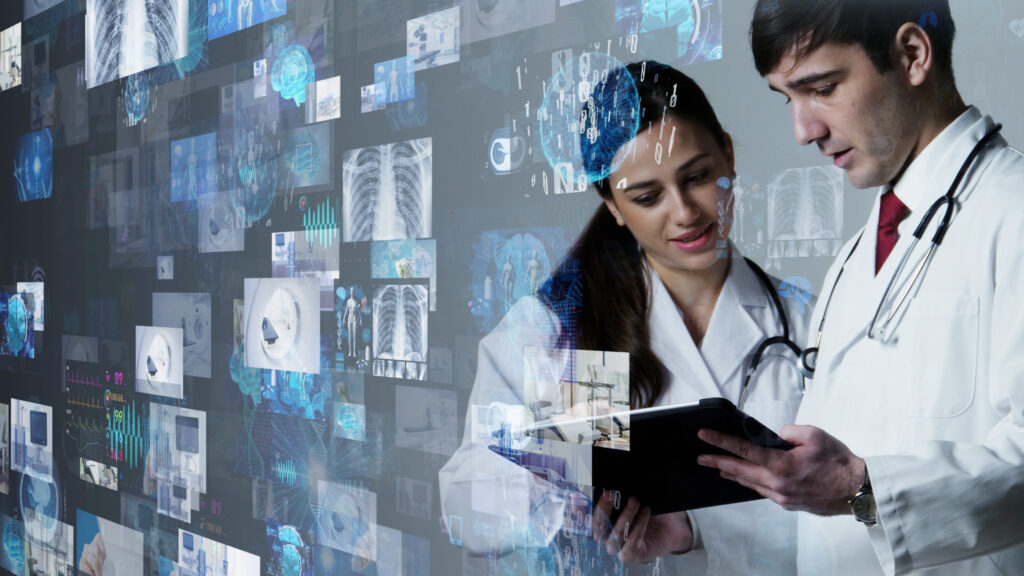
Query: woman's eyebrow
x=682, y=168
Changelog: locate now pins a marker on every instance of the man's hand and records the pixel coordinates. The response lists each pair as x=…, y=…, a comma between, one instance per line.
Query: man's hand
x=819, y=475
x=637, y=536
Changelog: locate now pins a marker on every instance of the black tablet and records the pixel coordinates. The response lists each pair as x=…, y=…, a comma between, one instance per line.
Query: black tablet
x=660, y=468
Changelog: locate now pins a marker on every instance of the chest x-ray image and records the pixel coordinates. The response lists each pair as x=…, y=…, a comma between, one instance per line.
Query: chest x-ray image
x=282, y=324
x=159, y=364
x=400, y=322
x=806, y=204
x=123, y=37
x=387, y=191
x=191, y=313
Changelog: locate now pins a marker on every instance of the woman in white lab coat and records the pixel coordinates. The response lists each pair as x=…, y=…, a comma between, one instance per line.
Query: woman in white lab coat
x=653, y=275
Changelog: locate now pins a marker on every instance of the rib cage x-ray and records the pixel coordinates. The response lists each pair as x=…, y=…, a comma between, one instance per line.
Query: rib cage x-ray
x=400, y=322
x=123, y=37
x=387, y=191
x=806, y=204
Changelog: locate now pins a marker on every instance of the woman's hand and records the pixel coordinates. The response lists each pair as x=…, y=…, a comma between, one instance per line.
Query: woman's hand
x=637, y=536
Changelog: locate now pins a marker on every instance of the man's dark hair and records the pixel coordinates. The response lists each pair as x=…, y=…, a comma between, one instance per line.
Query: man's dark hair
x=805, y=25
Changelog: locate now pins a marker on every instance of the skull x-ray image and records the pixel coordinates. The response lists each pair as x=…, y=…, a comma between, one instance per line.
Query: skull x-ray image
x=387, y=191
x=123, y=37
x=282, y=324
x=806, y=204
x=191, y=313
x=159, y=365
x=400, y=322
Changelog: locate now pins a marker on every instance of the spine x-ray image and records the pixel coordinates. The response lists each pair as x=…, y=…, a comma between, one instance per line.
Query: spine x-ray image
x=123, y=37
x=806, y=204
x=387, y=191
x=400, y=322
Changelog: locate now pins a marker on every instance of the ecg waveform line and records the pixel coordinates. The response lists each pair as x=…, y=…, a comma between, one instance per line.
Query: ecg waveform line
x=86, y=379
x=86, y=402
x=321, y=224
x=128, y=433
x=86, y=424
x=285, y=472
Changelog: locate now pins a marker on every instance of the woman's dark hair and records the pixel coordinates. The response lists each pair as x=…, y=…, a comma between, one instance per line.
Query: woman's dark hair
x=600, y=291
x=805, y=25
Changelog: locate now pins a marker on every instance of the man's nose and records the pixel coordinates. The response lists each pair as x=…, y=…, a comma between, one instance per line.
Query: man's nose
x=808, y=128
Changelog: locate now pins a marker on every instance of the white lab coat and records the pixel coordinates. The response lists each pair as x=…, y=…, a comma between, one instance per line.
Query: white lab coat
x=938, y=412
x=491, y=493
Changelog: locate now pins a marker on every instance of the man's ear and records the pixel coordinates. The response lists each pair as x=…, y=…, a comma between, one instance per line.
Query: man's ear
x=615, y=211
x=915, y=55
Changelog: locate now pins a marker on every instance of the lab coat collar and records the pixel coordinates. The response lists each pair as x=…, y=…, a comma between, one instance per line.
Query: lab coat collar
x=732, y=334
x=927, y=178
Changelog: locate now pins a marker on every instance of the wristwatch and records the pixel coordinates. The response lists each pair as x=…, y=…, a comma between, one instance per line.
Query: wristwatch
x=863, y=503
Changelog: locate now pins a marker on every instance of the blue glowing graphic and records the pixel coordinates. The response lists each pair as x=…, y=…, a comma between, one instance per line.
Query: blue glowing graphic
x=583, y=127
x=291, y=550
x=321, y=223
x=13, y=558
x=256, y=169
x=136, y=97
x=293, y=70
x=193, y=167
x=297, y=393
x=797, y=288
x=227, y=16
x=33, y=166
x=697, y=25
x=306, y=157
x=398, y=79
x=17, y=337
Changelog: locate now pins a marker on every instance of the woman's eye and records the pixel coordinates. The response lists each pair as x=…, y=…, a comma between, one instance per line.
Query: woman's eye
x=646, y=199
x=697, y=178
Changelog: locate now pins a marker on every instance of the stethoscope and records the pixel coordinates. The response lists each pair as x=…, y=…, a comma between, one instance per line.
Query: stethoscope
x=876, y=331
x=783, y=339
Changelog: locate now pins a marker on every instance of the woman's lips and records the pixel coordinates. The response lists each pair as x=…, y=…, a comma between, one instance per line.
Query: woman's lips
x=690, y=243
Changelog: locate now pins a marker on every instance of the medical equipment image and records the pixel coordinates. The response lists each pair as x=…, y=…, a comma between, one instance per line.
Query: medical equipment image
x=31, y=435
x=177, y=459
x=578, y=396
x=191, y=313
x=10, y=57
x=123, y=37
x=425, y=419
x=33, y=166
x=221, y=224
x=387, y=191
x=347, y=519
x=433, y=40
x=806, y=204
x=159, y=361
x=491, y=18
x=165, y=267
x=282, y=324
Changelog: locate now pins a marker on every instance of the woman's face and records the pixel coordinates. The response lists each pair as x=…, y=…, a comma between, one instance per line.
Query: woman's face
x=679, y=208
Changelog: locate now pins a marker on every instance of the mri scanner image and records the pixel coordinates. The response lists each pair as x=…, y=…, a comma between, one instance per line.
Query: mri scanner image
x=297, y=287
x=159, y=360
x=282, y=324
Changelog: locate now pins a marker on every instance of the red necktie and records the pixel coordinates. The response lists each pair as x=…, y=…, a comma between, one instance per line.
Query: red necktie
x=890, y=214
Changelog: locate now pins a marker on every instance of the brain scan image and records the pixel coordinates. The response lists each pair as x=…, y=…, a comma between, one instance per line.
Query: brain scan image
x=17, y=334
x=806, y=204
x=33, y=166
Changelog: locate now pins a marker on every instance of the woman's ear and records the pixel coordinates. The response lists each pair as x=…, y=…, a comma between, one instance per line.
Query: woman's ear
x=730, y=155
x=614, y=210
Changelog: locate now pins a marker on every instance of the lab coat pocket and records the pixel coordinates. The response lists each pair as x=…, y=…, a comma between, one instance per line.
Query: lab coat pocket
x=940, y=343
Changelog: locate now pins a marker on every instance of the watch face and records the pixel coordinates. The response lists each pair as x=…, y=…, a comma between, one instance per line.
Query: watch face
x=864, y=507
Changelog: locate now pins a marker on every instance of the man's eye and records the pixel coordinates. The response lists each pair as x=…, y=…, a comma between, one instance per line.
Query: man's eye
x=827, y=90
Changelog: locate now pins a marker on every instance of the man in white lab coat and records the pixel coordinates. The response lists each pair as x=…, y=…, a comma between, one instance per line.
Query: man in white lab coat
x=909, y=455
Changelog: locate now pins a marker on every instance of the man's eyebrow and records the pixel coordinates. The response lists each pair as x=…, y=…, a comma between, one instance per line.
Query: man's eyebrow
x=810, y=79
x=648, y=183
